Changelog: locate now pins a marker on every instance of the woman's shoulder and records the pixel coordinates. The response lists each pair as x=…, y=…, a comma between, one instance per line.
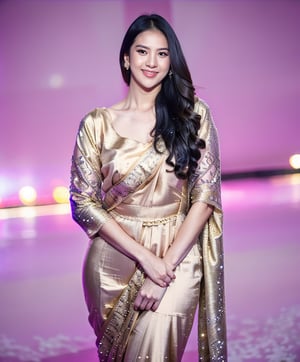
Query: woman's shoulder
x=93, y=125
x=206, y=120
x=201, y=104
x=201, y=107
x=94, y=118
x=100, y=114
x=96, y=114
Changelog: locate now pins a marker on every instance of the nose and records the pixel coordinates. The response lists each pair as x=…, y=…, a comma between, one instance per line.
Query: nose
x=151, y=60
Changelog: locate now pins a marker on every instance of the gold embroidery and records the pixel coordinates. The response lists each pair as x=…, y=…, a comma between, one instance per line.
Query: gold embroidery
x=162, y=221
x=142, y=172
x=120, y=322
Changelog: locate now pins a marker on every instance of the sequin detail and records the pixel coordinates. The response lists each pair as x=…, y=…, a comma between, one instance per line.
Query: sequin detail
x=205, y=186
x=85, y=198
x=206, y=182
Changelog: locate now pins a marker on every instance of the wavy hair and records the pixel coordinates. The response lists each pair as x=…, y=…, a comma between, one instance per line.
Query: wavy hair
x=176, y=121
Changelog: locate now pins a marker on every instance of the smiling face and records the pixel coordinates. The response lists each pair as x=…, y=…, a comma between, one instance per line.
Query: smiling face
x=148, y=59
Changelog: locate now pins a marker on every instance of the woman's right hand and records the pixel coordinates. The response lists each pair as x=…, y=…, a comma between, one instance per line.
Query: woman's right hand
x=159, y=271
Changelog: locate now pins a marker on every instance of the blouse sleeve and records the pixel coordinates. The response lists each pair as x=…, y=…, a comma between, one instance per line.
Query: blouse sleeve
x=206, y=184
x=86, y=180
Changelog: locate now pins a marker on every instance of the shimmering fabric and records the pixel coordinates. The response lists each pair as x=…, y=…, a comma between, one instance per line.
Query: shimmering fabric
x=206, y=187
x=120, y=178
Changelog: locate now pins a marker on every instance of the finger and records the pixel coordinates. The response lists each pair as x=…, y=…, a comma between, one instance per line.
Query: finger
x=171, y=275
x=137, y=302
x=170, y=271
x=168, y=280
x=155, y=306
x=163, y=282
x=160, y=282
x=149, y=305
x=143, y=304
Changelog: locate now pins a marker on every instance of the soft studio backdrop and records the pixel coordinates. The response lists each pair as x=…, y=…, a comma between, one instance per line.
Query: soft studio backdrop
x=59, y=60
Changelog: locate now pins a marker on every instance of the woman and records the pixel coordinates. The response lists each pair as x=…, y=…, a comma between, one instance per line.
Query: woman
x=145, y=187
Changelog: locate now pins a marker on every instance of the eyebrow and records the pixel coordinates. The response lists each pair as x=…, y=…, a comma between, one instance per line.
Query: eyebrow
x=145, y=47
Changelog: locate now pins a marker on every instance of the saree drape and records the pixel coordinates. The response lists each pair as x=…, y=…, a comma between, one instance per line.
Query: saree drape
x=120, y=178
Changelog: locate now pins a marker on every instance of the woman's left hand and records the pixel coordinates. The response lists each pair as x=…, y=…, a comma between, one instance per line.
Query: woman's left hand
x=149, y=296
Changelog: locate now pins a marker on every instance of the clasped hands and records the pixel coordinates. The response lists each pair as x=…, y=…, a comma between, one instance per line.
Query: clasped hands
x=159, y=274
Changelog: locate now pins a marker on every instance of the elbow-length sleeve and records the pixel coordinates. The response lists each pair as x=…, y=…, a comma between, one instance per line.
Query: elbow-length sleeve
x=86, y=180
x=206, y=187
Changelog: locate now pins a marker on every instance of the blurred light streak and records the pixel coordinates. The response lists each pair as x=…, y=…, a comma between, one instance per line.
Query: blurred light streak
x=34, y=211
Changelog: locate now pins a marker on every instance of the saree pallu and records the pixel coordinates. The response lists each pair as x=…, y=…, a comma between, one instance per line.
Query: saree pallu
x=120, y=178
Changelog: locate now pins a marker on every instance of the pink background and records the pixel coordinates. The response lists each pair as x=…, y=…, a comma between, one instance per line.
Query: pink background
x=59, y=60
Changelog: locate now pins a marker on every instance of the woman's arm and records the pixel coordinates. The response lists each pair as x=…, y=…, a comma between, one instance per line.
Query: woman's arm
x=188, y=233
x=158, y=270
x=150, y=294
x=205, y=198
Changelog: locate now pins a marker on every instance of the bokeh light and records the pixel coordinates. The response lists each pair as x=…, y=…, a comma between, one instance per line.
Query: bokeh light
x=56, y=81
x=27, y=195
x=295, y=161
x=61, y=194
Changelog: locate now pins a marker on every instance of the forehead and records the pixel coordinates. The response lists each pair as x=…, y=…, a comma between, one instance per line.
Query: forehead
x=152, y=38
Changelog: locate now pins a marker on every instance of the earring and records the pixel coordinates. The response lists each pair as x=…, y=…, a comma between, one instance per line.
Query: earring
x=126, y=66
x=170, y=73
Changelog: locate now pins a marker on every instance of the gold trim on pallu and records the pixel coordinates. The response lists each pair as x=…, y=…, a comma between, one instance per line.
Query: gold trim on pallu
x=140, y=173
x=121, y=320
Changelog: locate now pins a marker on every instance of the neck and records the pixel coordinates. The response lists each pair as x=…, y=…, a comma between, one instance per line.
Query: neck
x=140, y=99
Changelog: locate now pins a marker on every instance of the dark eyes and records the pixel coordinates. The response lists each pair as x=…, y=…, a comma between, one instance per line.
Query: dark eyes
x=161, y=54
x=142, y=51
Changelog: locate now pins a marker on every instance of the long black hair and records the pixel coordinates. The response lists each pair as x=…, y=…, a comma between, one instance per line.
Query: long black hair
x=176, y=121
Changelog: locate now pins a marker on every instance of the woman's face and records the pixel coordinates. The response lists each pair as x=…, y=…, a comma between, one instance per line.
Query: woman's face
x=148, y=59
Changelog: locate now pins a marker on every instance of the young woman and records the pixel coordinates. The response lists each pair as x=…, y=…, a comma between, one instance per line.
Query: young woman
x=145, y=187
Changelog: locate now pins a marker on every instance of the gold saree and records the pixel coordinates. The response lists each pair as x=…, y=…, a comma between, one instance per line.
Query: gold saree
x=120, y=178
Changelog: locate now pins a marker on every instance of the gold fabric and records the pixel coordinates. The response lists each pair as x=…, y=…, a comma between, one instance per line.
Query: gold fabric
x=120, y=178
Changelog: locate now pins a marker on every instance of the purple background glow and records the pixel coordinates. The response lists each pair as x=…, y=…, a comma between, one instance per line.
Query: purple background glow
x=59, y=60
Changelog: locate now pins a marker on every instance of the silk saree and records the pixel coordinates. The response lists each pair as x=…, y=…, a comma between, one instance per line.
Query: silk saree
x=121, y=178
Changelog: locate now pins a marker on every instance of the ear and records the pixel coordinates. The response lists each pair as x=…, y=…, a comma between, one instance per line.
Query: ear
x=126, y=61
